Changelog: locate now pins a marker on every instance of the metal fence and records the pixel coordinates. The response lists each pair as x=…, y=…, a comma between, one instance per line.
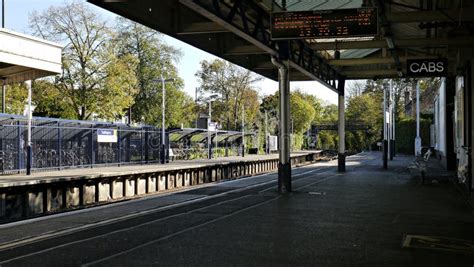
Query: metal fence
x=58, y=144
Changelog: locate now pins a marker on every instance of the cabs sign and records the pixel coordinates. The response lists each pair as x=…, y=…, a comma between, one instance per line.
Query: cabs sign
x=427, y=67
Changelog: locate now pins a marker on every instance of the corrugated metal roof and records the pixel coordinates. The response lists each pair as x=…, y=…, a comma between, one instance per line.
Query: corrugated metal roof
x=300, y=5
x=358, y=53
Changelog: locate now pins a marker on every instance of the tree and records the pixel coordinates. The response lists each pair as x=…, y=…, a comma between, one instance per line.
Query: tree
x=16, y=98
x=363, y=110
x=155, y=59
x=302, y=112
x=50, y=102
x=234, y=87
x=90, y=64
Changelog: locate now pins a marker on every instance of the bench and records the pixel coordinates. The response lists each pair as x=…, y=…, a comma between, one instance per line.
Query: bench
x=420, y=163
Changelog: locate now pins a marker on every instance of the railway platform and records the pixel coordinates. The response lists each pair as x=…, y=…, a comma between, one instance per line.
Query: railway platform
x=43, y=193
x=366, y=216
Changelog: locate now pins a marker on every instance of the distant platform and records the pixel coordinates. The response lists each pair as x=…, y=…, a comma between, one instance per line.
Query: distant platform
x=23, y=196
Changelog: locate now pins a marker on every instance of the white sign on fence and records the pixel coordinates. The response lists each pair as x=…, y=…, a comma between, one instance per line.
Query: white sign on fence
x=212, y=126
x=106, y=135
x=272, y=143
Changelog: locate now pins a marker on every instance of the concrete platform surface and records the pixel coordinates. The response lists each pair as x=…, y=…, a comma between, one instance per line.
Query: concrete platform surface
x=357, y=218
x=49, y=176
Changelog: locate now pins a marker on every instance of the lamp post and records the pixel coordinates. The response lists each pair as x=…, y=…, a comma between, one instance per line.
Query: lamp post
x=4, y=85
x=385, y=127
x=3, y=13
x=209, y=149
x=266, y=133
x=243, y=131
x=163, y=133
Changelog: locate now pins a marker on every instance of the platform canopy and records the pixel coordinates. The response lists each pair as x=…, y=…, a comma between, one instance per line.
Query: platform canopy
x=200, y=135
x=24, y=57
x=239, y=31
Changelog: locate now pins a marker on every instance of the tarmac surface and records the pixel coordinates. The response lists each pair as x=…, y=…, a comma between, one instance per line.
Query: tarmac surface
x=358, y=218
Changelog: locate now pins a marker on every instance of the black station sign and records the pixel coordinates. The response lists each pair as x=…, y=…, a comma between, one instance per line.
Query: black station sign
x=427, y=67
x=324, y=23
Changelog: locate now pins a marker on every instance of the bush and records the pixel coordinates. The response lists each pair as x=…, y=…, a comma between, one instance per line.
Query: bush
x=405, y=133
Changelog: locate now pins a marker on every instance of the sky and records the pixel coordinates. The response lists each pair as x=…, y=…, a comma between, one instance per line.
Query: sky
x=16, y=19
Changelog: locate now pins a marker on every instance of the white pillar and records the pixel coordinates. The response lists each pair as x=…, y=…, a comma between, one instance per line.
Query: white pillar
x=284, y=165
x=243, y=131
x=418, y=138
x=341, y=164
x=385, y=127
x=29, y=149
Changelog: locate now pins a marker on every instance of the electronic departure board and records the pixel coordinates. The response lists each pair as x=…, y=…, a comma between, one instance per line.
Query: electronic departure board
x=324, y=23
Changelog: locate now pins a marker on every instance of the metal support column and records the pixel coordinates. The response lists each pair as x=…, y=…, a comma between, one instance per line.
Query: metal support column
x=284, y=165
x=60, y=160
x=390, y=124
x=209, y=142
x=267, y=150
x=29, y=152
x=394, y=116
x=243, y=131
x=341, y=156
x=163, y=148
x=119, y=146
x=385, y=142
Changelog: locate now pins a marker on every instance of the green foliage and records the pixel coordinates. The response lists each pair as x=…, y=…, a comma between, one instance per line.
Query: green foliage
x=363, y=109
x=298, y=141
x=90, y=64
x=233, y=86
x=302, y=112
x=155, y=60
x=50, y=102
x=405, y=133
x=329, y=114
x=327, y=140
x=15, y=98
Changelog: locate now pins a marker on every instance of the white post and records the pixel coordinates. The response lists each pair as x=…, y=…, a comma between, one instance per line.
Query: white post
x=215, y=138
x=384, y=113
x=266, y=133
x=163, y=135
x=209, y=151
x=385, y=128
x=243, y=131
x=284, y=164
x=341, y=126
x=29, y=152
x=418, y=138
x=394, y=109
x=341, y=164
x=389, y=120
x=163, y=111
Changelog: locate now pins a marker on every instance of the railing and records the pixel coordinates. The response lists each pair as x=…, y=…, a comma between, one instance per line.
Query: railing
x=58, y=144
